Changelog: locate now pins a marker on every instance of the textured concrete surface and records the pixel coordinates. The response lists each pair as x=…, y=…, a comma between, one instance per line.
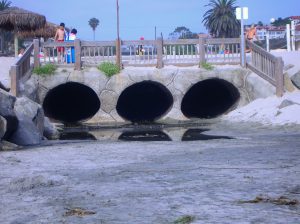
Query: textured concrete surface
x=177, y=80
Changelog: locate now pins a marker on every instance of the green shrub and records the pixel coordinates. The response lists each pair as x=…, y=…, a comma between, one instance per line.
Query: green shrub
x=207, y=66
x=47, y=69
x=109, y=68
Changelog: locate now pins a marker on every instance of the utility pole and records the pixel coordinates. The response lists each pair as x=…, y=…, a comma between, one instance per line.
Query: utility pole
x=242, y=14
x=155, y=32
x=118, y=43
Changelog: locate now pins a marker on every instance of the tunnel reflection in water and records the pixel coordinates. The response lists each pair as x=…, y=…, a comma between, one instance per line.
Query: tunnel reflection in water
x=145, y=101
x=71, y=102
x=209, y=99
x=195, y=135
x=144, y=136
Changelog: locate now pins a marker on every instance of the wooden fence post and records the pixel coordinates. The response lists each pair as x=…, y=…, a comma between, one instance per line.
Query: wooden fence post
x=77, y=47
x=159, y=46
x=201, y=51
x=36, y=52
x=118, y=53
x=279, y=77
x=14, y=80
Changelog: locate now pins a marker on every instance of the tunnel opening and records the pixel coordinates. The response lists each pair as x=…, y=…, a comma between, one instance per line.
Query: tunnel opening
x=143, y=102
x=71, y=102
x=209, y=99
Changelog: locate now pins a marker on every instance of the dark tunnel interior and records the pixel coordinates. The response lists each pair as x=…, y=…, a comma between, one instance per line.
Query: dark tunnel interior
x=209, y=99
x=145, y=101
x=71, y=103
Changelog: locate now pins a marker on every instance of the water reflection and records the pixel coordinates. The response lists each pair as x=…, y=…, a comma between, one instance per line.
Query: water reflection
x=82, y=135
x=140, y=134
x=195, y=135
x=144, y=136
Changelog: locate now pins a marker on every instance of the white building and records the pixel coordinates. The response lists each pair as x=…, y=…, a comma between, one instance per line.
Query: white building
x=273, y=31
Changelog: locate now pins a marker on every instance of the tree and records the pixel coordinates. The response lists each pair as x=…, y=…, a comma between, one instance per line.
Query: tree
x=281, y=22
x=4, y=4
x=93, y=22
x=220, y=19
x=260, y=23
x=182, y=32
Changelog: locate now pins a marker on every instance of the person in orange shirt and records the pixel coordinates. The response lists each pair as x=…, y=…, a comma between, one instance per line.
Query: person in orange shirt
x=251, y=33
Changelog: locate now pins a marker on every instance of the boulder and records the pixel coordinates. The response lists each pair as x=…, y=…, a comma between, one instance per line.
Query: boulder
x=30, y=88
x=27, y=133
x=2, y=126
x=31, y=123
x=2, y=86
x=296, y=79
x=8, y=146
x=7, y=102
x=50, y=130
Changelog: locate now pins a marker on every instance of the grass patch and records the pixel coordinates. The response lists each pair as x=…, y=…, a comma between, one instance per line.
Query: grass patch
x=186, y=219
x=109, y=68
x=207, y=66
x=45, y=70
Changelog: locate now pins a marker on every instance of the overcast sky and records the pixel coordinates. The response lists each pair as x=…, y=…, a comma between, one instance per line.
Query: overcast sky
x=140, y=17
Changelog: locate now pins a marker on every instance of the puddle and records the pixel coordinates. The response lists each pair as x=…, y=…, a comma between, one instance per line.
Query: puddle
x=82, y=135
x=196, y=135
x=144, y=136
x=141, y=133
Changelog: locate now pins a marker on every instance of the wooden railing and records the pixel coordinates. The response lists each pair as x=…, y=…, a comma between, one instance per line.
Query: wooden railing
x=22, y=67
x=267, y=66
x=145, y=52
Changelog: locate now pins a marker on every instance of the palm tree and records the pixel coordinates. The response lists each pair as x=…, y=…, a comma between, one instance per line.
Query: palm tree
x=4, y=4
x=93, y=22
x=220, y=19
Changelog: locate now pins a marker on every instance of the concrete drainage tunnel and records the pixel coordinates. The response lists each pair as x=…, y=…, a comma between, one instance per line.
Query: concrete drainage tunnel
x=142, y=102
x=71, y=102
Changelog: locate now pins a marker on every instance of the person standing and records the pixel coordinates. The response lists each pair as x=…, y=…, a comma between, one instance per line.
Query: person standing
x=251, y=33
x=60, y=37
x=71, y=50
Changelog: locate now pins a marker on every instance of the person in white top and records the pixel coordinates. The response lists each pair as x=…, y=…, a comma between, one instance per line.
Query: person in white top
x=72, y=35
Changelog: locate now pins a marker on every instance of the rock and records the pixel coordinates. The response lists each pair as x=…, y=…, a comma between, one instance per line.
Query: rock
x=286, y=103
x=8, y=146
x=2, y=86
x=50, y=130
x=2, y=126
x=7, y=102
x=288, y=85
x=27, y=133
x=32, y=110
x=31, y=123
x=296, y=79
x=30, y=88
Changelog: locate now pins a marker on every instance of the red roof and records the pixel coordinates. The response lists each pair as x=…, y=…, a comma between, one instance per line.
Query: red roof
x=271, y=28
x=295, y=17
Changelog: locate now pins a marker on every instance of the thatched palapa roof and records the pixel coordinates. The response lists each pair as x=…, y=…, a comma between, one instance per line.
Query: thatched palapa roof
x=17, y=19
x=47, y=31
